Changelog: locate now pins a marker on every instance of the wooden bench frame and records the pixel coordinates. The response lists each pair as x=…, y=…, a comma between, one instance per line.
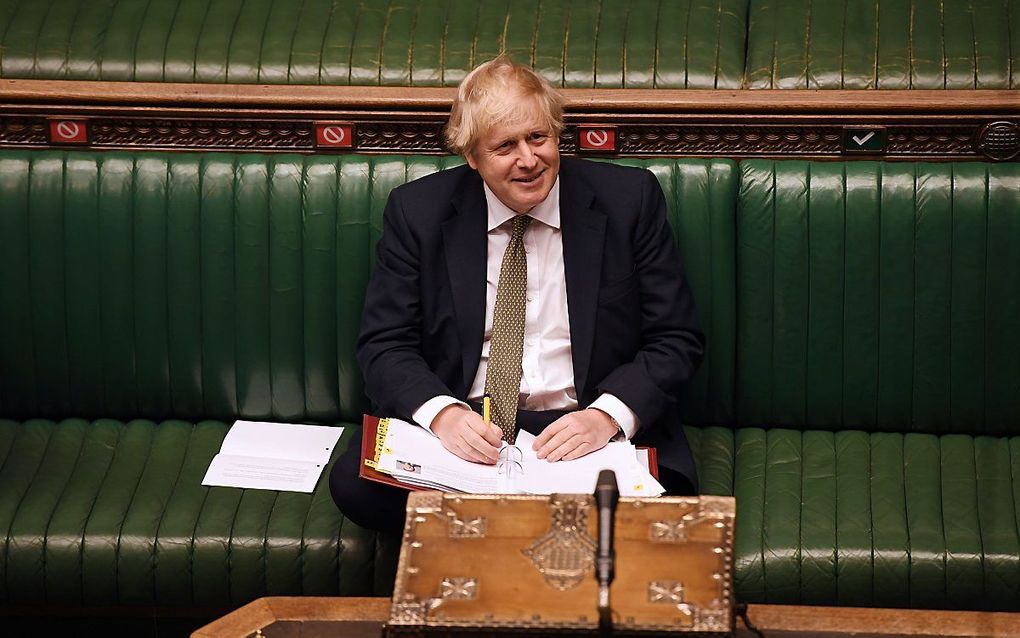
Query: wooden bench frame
x=941, y=125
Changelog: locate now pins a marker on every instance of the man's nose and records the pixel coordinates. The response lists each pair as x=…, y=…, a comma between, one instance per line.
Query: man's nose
x=526, y=157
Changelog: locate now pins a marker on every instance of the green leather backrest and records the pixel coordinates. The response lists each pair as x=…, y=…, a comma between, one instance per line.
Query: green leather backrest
x=193, y=286
x=884, y=44
x=879, y=296
x=573, y=43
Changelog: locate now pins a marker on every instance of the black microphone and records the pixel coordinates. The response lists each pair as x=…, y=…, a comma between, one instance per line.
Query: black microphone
x=607, y=494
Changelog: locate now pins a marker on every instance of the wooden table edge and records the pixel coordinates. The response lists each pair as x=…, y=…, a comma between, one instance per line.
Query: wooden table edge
x=788, y=619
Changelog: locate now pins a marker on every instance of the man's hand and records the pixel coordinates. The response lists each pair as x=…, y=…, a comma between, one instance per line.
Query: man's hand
x=573, y=435
x=464, y=433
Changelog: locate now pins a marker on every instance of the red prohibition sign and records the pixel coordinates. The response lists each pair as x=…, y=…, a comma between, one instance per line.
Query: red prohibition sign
x=331, y=134
x=68, y=132
x=597, y=138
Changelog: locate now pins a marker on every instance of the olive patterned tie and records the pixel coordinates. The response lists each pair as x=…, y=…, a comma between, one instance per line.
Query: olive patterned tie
x=503, y=375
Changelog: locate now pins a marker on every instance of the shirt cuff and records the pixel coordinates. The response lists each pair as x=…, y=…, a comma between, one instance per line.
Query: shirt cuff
x=427, y=411
x=619, y=412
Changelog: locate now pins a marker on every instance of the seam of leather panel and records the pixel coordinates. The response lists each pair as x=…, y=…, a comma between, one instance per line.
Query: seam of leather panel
x=534, y=35
x=913, y=301
x=879, y=175
x=270, y=165
x=166, y=45
x=807, y=318
x=104, y=392
x=871, y=514
x=31, y=286
x=257, y=59
x=842, y=315
x=194, y=527
x=162, y=515
x=134, y=45
x=101, y=48
x=3, y=36
x=842, y=59
x=134, y=284
x=127, y=510
x=945, y=540
x=910, y=47
x=984, y=308
x=595, y=50
x=949, y=332
x=92, y=507
x=382, y=42
x=293, y=37
x=565, y=48
x=974, y=31
x=322, y=41
x=410, y=51
x=167, y=286
x=64, y=251
x=772, y=297
x=807, y=48
x=1013, y=480
x=56, y=505
x=718, y=29
x=442, y=45
x=977, y=516
x=6, y=540
x=1009, y=44
x=878, y=41
x=906, y=516
x=66, y=66
x=687, y=41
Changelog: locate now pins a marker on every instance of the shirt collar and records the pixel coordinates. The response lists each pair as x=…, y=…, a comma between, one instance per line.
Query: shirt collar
x=547, y=212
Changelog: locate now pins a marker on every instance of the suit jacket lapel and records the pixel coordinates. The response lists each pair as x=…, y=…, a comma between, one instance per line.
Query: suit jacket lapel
x=465, y=244
x=584, y=230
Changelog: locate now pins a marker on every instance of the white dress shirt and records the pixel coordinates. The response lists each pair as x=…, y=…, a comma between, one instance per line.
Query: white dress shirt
x=547, y=379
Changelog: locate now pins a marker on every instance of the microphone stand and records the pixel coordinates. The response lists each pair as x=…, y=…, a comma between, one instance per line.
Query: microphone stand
x=607, y=494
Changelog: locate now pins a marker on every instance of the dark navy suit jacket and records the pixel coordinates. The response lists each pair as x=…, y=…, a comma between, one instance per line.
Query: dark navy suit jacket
x=633, y=325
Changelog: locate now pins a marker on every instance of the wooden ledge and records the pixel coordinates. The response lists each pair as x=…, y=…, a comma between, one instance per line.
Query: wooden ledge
x=287, y=97
x=773, y=620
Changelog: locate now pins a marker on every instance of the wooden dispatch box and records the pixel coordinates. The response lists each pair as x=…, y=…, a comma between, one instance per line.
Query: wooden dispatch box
x=483, y=564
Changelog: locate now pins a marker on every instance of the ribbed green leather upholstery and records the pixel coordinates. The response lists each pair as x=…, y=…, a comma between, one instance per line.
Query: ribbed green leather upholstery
x=185, y=287
x=573, y=43
x=885, y=44
x=879, y=296
x=879, y=519
x=107, y=512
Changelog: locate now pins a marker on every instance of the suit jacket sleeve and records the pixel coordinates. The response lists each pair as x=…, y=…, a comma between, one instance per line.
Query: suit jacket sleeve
x=397, y=378
x=672, y=343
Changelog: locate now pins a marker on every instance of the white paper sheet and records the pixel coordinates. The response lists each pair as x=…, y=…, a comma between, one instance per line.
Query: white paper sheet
x=413, y=455
x=272, y=456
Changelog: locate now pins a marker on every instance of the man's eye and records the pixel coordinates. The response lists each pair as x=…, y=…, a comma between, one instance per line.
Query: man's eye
x=538, y=137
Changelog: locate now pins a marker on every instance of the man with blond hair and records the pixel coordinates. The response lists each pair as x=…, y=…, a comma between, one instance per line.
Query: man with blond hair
x=553, y=286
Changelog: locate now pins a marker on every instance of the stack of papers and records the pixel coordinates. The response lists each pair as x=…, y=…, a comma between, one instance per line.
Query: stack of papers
x=414, y=456
x=273, y=456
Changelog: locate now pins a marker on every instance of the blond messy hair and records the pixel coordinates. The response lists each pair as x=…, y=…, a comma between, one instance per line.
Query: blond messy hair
x=494, y=93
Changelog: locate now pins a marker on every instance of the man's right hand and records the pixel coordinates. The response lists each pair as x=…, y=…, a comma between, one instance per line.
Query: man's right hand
x=463, y=432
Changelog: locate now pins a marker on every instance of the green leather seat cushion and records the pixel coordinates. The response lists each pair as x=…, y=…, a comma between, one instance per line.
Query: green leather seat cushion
x=114, y=513
x=877, y=519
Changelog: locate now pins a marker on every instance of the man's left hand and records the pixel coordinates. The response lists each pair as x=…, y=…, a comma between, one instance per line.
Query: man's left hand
x=573, y=435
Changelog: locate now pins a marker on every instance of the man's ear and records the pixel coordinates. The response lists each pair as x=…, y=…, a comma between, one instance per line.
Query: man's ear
x=470, y=160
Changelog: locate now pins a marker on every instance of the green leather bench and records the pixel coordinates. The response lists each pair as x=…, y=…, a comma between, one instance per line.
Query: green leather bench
x=859, y=394
x=612, y=43
x=721, y=44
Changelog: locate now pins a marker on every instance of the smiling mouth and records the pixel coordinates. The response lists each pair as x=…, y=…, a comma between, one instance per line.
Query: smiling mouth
x=528, y=180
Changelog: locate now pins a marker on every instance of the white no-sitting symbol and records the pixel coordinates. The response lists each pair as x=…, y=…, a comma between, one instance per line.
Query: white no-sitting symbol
x=68, y=130
x=597, y=138
x=333, y=134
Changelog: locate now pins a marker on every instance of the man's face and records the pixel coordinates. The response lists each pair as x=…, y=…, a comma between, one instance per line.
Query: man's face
x=519, y=162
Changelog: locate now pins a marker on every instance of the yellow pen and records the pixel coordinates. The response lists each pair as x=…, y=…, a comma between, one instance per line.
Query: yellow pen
x=486, y=407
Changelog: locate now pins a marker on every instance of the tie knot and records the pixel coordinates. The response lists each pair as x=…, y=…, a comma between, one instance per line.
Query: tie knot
x=520, y=225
